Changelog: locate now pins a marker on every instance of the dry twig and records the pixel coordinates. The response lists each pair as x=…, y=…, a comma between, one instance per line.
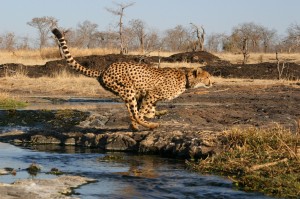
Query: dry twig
x=257, y=167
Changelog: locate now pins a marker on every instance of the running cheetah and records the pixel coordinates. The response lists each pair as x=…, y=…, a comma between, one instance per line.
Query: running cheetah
x=140, y=86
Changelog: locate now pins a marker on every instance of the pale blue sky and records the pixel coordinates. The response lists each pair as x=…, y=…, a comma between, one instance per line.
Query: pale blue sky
x=215, y=15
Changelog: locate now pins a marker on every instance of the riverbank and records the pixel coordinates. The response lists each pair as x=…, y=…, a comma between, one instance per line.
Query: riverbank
x=264, y=160
x=102, y=124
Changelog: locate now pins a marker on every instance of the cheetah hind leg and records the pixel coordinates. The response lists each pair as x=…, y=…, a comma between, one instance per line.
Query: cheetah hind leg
x=161, y=112
x=139, y=118
x=131, y=102
x=151, y=112
x=147, y=107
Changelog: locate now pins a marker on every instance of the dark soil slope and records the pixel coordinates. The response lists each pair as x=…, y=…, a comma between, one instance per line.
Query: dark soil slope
x=214, y=65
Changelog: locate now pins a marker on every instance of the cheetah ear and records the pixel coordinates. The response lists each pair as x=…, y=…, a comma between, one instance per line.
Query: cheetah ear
x=197, y=71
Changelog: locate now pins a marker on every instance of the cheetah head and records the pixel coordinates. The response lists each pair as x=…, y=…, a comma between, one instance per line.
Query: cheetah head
x=198, y=78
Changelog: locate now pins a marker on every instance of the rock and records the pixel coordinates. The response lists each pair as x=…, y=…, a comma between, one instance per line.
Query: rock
x=42, y=188
x=4, y=172
x=173, y=143
x=33, y=169
x=117, y=142
x=70, y=141
x=55, y=171
x=41, y=139
x=95, y=120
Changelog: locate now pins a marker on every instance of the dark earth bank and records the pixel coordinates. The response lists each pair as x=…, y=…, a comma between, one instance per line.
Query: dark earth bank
x=214, y=65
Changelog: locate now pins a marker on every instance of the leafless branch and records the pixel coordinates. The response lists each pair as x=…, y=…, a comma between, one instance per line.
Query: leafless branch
x=120, y=12
x=200, y=36
x=280, y=68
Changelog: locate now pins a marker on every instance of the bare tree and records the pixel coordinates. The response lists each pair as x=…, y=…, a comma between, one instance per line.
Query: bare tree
x=292, y=40
x=8, y=41
x=280, y=68
x=153, y=40
x=24, y=44
x=240, y=41
x=267, y=37
x=108, y=39
x=176, y=39
x=200, y=34
x=128, y=39
x=86, y=34
x=215, y=42
x=245, y=50
x=120, y=12
x=138, y=28
x=246, y=32
x=259, y=38
x=44, y=25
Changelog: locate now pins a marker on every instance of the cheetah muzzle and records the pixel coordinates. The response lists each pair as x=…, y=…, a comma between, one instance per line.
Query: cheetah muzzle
x=140, y=86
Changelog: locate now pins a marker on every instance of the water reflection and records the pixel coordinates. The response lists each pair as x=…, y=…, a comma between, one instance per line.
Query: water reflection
x=120, y=176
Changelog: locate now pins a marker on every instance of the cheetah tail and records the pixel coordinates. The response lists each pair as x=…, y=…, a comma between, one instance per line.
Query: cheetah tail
x=70, y=60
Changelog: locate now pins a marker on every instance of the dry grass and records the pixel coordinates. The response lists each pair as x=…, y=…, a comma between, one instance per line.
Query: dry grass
x=61, y=85
x=66, y=84
x=37, y=57
x=179, y=65
x=259, y=57
x=264, y=160
x=28, y=57
x=253, y=82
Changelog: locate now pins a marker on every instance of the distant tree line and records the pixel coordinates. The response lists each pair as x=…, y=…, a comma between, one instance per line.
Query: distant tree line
x=137, y=36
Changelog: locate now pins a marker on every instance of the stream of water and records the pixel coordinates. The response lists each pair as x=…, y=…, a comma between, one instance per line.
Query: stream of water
x=128, y=176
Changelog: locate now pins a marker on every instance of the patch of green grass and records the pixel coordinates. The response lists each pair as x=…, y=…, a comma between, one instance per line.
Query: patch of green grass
x=266, y=161
x=9, y=103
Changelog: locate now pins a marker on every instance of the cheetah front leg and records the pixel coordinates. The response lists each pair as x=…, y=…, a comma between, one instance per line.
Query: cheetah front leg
x=134, y=124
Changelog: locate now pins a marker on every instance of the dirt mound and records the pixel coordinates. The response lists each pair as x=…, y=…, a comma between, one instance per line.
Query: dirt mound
x=199, y=56
x=99, y=62
x=255, y=71
x=11, y=69
x=51, y=68
x=215, y=66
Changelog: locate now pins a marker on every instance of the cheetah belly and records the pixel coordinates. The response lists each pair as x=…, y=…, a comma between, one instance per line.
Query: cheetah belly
x=179, y=92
